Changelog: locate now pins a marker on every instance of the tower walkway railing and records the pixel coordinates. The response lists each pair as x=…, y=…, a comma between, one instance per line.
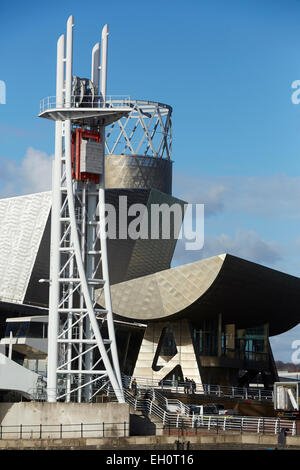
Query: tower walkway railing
x=86, y=101
x=97, y=101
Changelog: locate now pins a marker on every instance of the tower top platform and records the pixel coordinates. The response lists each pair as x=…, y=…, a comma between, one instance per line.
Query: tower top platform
x=99, y=111
x=96, y=111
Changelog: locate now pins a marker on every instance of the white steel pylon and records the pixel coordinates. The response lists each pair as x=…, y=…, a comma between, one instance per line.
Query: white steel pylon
x=82, y=350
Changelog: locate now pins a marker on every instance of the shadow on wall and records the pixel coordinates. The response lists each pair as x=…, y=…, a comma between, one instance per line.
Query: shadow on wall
x=141, y=426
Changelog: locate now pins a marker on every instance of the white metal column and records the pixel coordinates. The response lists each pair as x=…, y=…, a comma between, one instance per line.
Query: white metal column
x=78, y=354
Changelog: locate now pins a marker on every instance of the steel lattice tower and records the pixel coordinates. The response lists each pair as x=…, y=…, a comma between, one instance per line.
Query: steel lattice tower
x=82, y=350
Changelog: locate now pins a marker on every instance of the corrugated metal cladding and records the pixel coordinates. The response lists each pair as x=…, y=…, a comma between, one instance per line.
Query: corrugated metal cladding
x=22, y=224
x=138, y=171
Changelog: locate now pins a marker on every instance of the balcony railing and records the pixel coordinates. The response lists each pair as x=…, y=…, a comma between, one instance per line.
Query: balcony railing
x=245, y=355
x=86, y=101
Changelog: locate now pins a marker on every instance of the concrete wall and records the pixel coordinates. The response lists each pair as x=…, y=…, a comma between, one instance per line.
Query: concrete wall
x=66, y=420
x=153, y=443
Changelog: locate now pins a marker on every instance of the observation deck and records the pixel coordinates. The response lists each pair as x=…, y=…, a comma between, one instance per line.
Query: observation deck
x=105, y=111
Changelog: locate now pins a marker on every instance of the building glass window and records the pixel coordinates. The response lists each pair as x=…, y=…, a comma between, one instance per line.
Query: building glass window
x=36, y=330
x=206, y=337
x=18, y=329
x=251, y=343
x=246, y=344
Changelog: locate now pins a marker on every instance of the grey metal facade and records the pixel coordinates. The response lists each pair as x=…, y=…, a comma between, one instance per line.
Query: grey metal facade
x=128, y=259
x=138, y=171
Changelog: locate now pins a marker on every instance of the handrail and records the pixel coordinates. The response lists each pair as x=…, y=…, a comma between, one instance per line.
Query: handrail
x=263, y=425
x=243, y=393
x=167, y=403
x=64, y=430
x=220, y=391
x=110, y=101
x=106, y=429
x=89, y=101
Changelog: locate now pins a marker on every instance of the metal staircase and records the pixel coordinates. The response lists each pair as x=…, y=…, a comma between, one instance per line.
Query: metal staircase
x=149, y=401
x=156, y=405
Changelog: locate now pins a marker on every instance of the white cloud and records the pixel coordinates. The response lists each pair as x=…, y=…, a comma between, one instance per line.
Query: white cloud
x=37, y=170
x=245, y=244
x=270, y=196
x=31, y=175
x=201, y=190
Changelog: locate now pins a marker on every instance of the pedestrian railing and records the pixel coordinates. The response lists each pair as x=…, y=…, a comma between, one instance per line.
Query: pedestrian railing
x=243, y=393
x=64, y=431
x=170, y=426
x=87, y=101
x=182, y=419
x=220, y=391
x=245, y=424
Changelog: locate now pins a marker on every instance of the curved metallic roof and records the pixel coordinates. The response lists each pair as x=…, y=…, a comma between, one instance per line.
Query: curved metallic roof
x=246, y=294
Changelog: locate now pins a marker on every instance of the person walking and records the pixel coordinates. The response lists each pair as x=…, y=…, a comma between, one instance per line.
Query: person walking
x=134, y=387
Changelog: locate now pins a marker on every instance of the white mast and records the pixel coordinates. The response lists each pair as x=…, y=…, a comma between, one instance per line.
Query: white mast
x=104, y=41
x=78, y=354
x=96, y=66
x=55, y=232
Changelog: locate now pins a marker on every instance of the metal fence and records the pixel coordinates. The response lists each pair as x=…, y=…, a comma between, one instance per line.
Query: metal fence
x=172, y=426
x=182, y=419
x=218, y=391
x=243, y=393
x=86, y=101
x=64, y=431
x=244, y=424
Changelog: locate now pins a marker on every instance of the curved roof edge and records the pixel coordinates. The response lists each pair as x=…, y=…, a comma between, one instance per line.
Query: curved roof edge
x=165, y=293
x=246, y=293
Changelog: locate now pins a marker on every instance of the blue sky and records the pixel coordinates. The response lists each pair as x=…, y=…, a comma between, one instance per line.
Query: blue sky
x=225, y=67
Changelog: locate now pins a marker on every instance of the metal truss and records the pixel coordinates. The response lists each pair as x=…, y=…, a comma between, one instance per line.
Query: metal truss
x=147, y=131
x=84, y=342
x=142, y=128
